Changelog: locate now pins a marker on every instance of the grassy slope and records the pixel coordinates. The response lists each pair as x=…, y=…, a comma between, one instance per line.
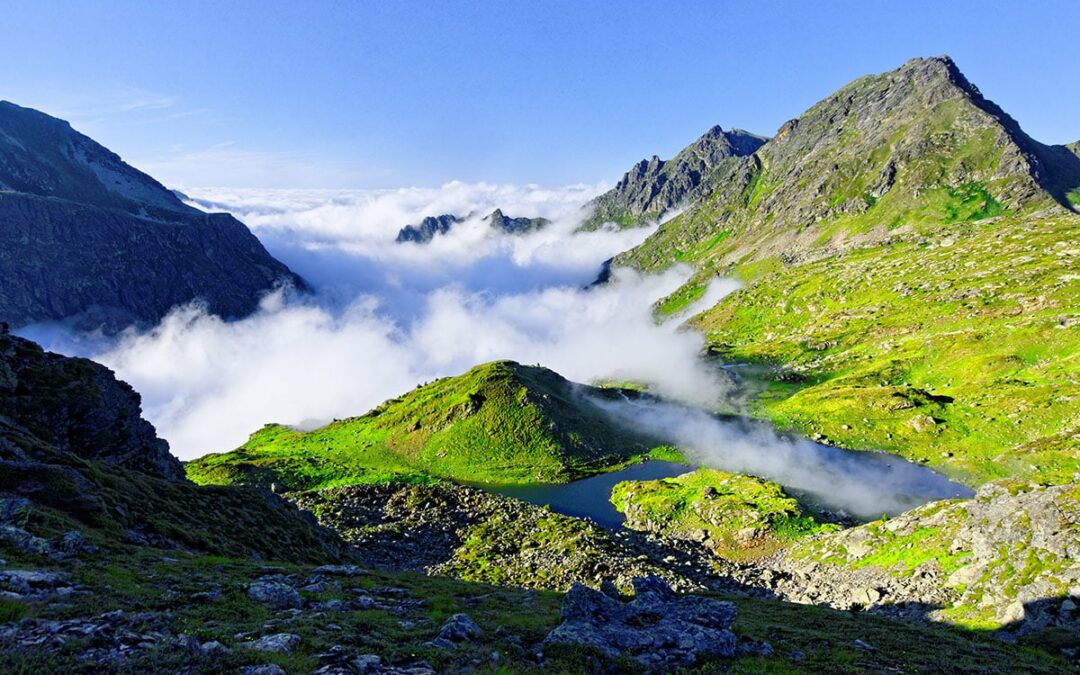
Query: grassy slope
x=897, y=255
x=105, y=502
x=961, y=350
x=737, y=515
x=500, y=422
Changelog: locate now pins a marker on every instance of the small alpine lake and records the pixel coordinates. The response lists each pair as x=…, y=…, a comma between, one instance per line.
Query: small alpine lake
x=902, y=485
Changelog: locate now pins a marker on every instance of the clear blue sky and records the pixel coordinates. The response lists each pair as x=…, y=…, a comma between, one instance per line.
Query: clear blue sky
x=384, y=94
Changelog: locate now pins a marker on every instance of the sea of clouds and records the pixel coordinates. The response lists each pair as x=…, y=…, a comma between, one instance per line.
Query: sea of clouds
x=384, y=317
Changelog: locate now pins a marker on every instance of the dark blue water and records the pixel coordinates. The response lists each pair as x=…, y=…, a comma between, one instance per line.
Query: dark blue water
x=590, y=497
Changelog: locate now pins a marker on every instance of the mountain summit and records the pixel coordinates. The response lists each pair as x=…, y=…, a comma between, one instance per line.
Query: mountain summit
x=87, y=238
x=916, y=145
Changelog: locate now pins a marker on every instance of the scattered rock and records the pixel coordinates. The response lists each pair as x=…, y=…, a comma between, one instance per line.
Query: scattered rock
x=367, y=663
x=214, y=647
x=265, y=669
x=340, y=570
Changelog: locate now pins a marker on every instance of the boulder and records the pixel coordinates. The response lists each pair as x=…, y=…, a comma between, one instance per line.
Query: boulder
x=278, y=643
x=275, y=594
x=658, y=628
x=460, y=628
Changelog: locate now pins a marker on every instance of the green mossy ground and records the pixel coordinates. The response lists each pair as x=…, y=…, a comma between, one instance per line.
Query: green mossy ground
x=498, y=423
x=960, y=350
x=739, y=516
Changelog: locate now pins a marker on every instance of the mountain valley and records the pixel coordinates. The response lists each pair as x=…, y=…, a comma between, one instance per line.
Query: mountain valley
x=908, y=297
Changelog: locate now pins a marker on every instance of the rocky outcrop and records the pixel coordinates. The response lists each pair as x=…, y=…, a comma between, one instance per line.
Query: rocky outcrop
x=519, y=225
x=1008, y=557
x=433, y=226
x=659, y=629
x=76, y=406
x=427, y=229
x=653, y=187
x=74, y=449
x=86, y=238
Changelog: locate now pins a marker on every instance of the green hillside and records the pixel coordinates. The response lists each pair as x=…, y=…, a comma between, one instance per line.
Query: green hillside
x=910, y=266
x=500, y=422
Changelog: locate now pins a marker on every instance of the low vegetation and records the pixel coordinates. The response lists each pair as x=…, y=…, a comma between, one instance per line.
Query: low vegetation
x=736, y=516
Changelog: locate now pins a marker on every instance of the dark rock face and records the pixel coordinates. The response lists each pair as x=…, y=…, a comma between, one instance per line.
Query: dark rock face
x=519, y=225
x=427, y=229
x=653, y=187
x=86, y=238
x=77, y=406
x=657, y=628
x=432, y=226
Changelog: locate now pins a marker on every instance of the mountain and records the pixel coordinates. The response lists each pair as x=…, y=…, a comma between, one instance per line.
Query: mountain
x=432, y=226
x=427, y=229
x=77, y=406
x=908, y=276
x=87, y=238
x=1074, y=148
x=652, y=188
x=912, y=147
x=501, y=422
x=519, y=225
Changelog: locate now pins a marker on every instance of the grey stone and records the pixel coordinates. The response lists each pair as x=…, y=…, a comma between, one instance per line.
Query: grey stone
x=278, y=643
x=340, y=570
x=367, y=663
x=265, y=669
x=658, y=628
x=459, y=628
x=275, y=594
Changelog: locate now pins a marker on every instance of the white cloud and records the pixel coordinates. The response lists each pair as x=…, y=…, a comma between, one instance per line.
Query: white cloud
x=387, y=316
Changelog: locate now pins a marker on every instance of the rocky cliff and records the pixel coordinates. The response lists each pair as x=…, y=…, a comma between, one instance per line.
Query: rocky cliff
x=86, y=238
x=74, y=406
x=654, y=187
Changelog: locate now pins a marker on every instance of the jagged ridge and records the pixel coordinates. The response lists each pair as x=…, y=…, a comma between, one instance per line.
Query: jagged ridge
x=910, y=148
x=653, y=187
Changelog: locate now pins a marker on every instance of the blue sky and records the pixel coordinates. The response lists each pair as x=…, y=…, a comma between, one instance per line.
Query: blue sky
x=387, y=94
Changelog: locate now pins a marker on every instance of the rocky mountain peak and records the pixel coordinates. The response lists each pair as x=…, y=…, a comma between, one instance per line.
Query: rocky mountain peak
x=428, y=228
x=655, y=186
x=916, y=144
x=45, y=156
